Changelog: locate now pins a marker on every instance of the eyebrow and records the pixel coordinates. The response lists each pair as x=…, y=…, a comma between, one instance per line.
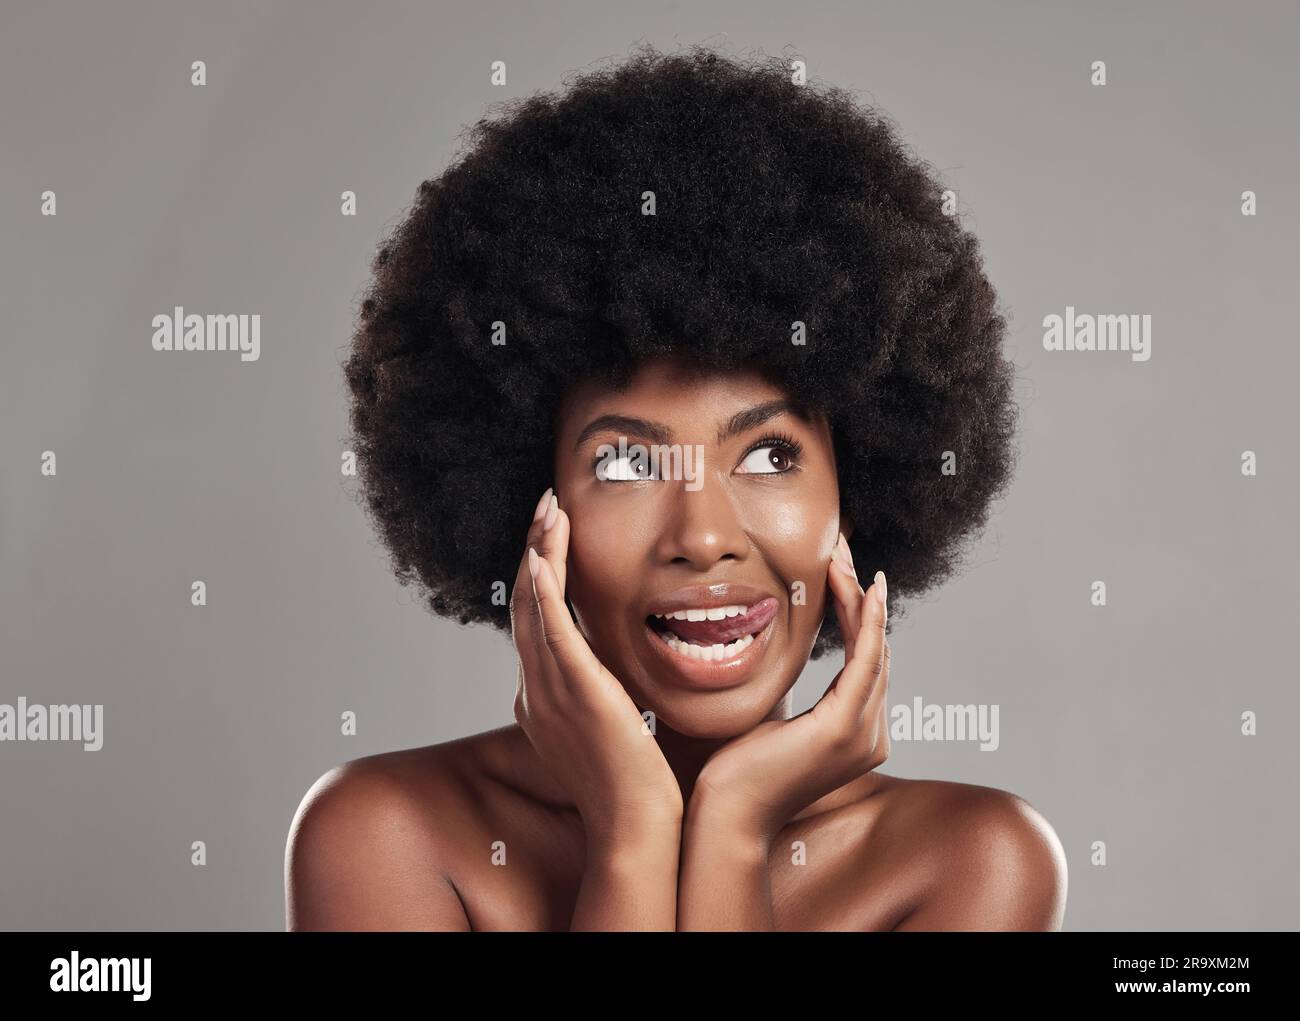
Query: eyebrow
x=741, y=421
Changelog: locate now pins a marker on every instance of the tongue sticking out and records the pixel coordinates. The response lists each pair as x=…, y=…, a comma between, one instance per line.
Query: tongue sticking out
x=725, y=631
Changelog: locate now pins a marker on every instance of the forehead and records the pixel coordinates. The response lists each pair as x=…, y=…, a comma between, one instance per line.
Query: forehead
x=670, y=388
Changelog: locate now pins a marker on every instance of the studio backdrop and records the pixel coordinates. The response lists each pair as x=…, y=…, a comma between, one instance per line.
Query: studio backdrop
x=197, y=620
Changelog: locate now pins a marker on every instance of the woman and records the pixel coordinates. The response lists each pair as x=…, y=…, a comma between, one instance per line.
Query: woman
x=725, y=326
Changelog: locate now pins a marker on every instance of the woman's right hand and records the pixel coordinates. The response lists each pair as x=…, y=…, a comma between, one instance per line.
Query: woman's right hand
x=580, y=720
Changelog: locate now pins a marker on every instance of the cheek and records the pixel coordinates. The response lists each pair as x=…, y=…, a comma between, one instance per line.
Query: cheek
x=601, y=559
x=797, y=538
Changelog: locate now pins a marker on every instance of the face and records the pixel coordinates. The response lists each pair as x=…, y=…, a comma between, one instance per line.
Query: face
x=698, y=495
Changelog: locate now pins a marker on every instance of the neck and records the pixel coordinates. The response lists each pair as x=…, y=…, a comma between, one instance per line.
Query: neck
x=687, y=755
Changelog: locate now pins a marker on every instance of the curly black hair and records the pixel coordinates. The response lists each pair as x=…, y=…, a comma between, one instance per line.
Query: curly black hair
x=775, y=202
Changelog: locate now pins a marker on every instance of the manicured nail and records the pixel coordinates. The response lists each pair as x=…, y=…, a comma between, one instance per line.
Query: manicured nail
x=881, y=589
x=541, y=504
x=551, y=513
x=532, y=561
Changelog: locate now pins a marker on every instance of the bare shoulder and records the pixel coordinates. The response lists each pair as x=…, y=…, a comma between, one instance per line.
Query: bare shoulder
x=370, y=844
x=990, y=860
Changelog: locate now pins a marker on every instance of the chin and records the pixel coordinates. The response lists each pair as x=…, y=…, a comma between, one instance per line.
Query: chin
x=716, y=715
x=714, y=728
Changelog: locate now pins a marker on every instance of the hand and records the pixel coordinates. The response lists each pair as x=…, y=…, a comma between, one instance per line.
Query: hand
x=760, y=780
x=579, y=718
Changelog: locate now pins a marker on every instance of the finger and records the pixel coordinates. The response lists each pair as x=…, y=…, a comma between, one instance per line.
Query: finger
x=559, y=639
x=846, y=594
x=860, y=673
x=553, y=543
x=880, y=689
x=878, y=703
x=522, y=598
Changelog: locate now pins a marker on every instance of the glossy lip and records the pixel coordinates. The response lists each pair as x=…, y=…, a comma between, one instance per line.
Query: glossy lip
x=695, y=673
x=704, y=597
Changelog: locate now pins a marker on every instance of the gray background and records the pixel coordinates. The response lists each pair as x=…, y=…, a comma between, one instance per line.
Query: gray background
x=1119, y=723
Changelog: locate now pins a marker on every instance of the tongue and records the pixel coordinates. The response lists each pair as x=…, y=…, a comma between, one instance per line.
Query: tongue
x=727, y=630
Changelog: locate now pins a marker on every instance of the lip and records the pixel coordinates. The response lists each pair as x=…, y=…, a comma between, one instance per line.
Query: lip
x=708, y=674
x=705, y=597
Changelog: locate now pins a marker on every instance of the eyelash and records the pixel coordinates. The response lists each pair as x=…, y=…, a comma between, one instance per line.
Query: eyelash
x=781, y=441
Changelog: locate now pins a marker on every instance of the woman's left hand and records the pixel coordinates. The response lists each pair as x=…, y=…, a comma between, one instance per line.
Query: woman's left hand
x=757, y=782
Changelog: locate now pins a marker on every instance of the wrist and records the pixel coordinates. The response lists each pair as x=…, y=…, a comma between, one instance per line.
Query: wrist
x=633, y=860
x=633, y=836
x=721, y=823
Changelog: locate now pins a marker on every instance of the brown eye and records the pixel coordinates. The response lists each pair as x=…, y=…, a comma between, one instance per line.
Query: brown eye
x=624, y=469
x=766, y=460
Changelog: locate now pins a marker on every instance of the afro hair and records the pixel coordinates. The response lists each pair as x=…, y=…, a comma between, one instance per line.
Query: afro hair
x=775, y=203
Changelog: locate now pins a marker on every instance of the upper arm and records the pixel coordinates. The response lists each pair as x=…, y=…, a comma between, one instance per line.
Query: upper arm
x=1002, y=868
x=361, y=854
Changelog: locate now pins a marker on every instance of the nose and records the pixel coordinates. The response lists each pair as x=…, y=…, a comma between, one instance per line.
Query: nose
x=702, y=527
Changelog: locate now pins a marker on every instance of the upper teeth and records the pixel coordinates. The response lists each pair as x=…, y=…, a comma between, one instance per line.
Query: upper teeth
x=713, y=613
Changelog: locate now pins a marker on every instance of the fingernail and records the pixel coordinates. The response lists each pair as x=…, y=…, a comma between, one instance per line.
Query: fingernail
x=532, y=561
x=541, y=504
x=551, y=514
x=881, y=589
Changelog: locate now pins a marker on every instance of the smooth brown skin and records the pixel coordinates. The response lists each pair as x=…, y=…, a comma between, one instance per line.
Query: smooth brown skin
x=607, y=826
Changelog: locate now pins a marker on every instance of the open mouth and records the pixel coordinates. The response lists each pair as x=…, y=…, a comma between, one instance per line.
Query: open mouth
x=713, y=635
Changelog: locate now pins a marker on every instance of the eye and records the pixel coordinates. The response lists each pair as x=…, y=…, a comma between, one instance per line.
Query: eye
x=624, y=469
x=773, y=455
x=765, y=461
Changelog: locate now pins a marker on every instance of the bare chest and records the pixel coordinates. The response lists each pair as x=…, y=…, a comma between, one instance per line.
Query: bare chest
x=843, y=873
